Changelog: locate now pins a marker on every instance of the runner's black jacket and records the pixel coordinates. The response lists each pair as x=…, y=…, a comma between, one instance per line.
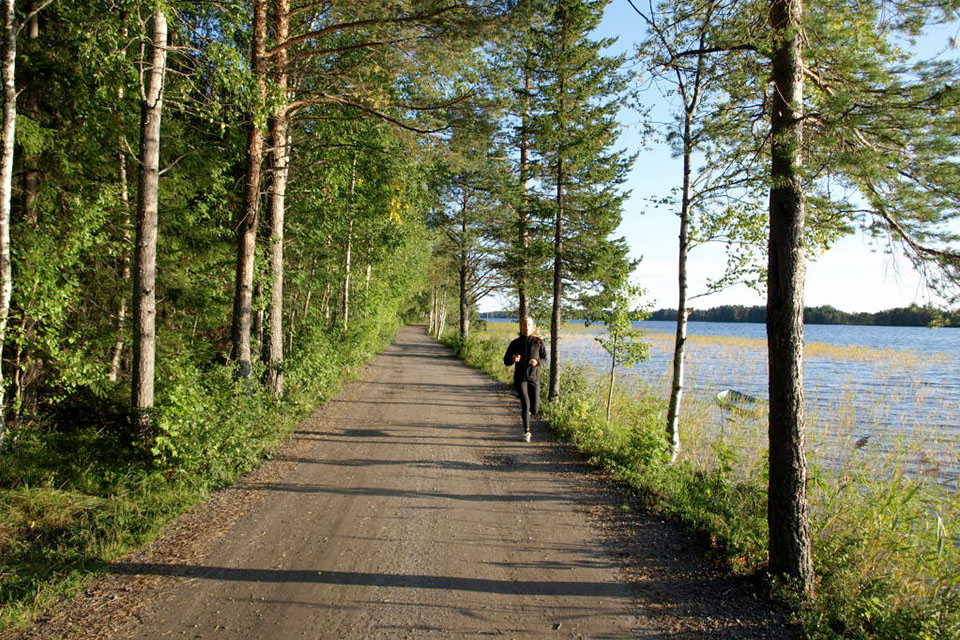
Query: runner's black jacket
x=529, y=348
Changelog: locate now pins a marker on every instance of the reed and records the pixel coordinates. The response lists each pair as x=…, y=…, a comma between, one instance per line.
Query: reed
x=884, y=503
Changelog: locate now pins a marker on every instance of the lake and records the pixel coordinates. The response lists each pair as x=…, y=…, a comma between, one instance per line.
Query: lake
x=870, y=391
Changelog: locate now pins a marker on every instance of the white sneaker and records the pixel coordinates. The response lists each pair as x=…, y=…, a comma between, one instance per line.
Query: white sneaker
x=526, y=436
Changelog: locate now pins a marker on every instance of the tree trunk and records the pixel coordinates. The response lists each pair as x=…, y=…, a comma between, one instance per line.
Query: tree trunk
x=247, y=229
x=117, y=351
x=24, y=367
x=680, y=343
x=462, y=272
x=31, y=174
x=347, y=261
x=555, y=316
x=325, y=303
x=346, y=276
x=789, y=544
x=8, y=70
x=145, y=259
x=524, y=225
x=613, y=370
x=273, y=347
x=257, y=330
x=443, y=314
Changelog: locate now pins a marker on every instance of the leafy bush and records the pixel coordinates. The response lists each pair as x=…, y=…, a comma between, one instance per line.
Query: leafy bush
x=74, y=497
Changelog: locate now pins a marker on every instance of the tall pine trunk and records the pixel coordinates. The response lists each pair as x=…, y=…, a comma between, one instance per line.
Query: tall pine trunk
x=463, y=272
x=7, y=139
x=273, y=346
x=240, y=351
x=789, y=544
x=524, y=222
x=145, y=257
x=555, y=316
x=31, y=173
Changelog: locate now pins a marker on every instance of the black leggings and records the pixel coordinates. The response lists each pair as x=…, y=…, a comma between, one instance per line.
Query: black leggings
x=529, y=393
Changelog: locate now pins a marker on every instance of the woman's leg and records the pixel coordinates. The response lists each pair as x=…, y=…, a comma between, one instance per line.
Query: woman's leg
x=523, y=391
x=533, y=392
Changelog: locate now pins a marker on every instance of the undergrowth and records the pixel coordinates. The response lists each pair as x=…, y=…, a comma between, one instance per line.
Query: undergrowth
x=885, y=553
x=76, y=495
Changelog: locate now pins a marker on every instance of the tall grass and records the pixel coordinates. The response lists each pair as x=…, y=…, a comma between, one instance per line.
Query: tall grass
x=886, y=545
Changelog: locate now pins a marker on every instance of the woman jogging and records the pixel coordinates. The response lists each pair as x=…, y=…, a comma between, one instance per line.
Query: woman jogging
x=527, y=354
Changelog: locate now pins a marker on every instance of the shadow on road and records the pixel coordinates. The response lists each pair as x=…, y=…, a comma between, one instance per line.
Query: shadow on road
x=507, y=587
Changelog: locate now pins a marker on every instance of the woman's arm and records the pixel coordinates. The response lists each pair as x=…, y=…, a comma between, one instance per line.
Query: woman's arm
x=508, y=356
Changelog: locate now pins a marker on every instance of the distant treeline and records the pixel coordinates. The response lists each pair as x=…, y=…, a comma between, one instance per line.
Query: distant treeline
x=912, y=316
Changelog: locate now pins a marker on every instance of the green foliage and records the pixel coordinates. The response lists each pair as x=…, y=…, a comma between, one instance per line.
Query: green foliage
x=71, y=501
x=618, y=308
x=885, y=553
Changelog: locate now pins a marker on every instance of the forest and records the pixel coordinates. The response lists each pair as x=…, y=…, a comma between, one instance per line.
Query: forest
x=212, y=212
x=912, y=316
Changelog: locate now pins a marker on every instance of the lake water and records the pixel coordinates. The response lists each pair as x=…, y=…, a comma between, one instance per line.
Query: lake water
x=881, y=386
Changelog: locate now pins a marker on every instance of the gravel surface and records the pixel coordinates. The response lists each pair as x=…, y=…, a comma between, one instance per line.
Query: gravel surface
x=409, y=508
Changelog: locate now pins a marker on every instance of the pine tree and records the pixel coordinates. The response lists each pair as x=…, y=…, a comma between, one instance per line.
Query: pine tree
x=576, y=98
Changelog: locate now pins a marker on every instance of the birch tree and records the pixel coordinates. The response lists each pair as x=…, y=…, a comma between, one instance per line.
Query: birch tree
x=8, y=131
x=687, y=52
x=145, y=256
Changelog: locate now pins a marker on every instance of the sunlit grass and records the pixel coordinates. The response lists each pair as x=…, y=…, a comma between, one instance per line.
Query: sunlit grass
x=883, y=496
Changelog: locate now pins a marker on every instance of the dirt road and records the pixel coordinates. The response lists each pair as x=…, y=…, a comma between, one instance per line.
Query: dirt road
x=409, y=508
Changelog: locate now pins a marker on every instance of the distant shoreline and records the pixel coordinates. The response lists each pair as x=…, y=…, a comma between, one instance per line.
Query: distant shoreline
x=912, y=316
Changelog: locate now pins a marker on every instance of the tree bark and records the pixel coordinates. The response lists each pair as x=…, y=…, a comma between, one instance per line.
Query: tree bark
x=117, y=351
x=555, y=316
x=347, y=260
x=346, y=276
x=613, y=370
x=273, y=347
x=145, y=258
x=7, y=140
x=463, y=272
x=240, y=351
x=431, y=323
x=31, y=174
x=524, y=224
x=789, y=544
x=256, y=330
x=442, y=321
x=680, y=342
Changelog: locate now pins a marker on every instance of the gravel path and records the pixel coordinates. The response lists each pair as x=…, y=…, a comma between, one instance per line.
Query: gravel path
x=409, y=508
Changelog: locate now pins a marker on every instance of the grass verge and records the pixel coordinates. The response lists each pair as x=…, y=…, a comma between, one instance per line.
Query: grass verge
x=886, y=558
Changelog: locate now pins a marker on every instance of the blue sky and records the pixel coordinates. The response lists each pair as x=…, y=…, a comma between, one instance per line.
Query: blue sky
x=854, y=275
